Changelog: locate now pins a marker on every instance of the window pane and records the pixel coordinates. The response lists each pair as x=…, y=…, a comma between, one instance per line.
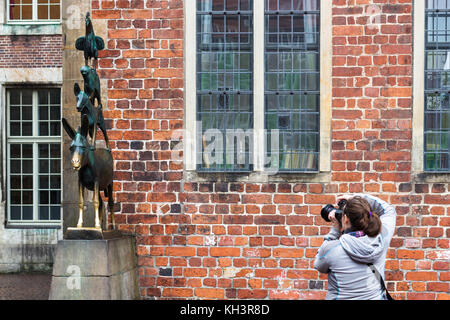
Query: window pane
x=20, y=9
x=225, y=84
x=27, y=197
x=437, y=86
x=16, y=212
x=27, y=182
x=15, y=182
x=50, y=176
x=44, y=213
x=27, y=128
x=55, y=212
x=43, y=182
x=48, y=9
x=15, y=166
x=43, y=197
x=55, y=12
x=21, y=112
x=14, y=128
x=292, y=83
x=16, y=197
x=49, y=110
x=27, y=213
x=43, y=12
x=27, y=12
x=14, y=12
x=27, y=166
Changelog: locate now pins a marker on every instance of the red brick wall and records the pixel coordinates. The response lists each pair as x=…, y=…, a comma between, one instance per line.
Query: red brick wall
x=31, y=51
x=242, y=240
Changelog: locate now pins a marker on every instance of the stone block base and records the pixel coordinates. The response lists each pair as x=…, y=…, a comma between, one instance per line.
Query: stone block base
x=104, y=269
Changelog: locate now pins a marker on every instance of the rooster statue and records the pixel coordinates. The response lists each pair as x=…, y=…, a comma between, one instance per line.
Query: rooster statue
x=90, y=43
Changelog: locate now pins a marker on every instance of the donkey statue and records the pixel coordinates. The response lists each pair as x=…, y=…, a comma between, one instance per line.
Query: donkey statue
x=95, y=172
x=94, y=115
x=90, y=43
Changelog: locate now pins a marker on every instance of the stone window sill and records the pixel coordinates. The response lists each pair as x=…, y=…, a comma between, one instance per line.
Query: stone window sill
x=431, y=177
x=258, y=177
x=35, y=28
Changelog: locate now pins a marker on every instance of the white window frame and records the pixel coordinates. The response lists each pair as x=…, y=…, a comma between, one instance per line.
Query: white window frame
x=35, y=139
x=34, y=19
x=418, y=117
x=190, y=146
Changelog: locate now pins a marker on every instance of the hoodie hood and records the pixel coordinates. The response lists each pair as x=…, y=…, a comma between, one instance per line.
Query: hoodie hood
x=362, y=249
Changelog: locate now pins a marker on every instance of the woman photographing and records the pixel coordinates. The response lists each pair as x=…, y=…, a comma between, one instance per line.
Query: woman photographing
x=354, y=251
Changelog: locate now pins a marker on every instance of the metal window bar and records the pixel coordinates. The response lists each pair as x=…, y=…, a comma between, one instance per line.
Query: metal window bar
x=292, y=84
x=437, y=86
x=225, y=85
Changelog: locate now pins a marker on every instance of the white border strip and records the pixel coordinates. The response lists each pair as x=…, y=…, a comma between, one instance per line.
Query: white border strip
x=190, y=94
x=326, y=50
x=418, y=87
x=259, y=147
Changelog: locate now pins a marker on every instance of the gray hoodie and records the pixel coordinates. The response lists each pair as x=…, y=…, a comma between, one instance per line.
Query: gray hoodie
x=345, y=257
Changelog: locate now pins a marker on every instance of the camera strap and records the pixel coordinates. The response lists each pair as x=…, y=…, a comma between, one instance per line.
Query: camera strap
x=378, y=275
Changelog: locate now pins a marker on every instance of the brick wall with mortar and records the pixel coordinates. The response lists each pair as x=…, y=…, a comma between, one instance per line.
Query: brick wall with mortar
x=258, y=240
x=31, y=51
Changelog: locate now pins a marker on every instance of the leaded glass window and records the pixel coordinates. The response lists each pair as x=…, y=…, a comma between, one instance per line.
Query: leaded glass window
x=34, y=155
x=437, y=86
x=292, y=83
x=225, y=84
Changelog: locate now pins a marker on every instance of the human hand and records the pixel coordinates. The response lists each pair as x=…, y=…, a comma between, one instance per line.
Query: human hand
x=334, y=221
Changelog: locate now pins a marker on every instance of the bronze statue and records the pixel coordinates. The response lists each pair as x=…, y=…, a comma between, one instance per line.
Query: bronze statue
x=95, y=171
x=95, y=115
x=94, y=166
x=86, y=102
x=90, y=43
x=91, y=84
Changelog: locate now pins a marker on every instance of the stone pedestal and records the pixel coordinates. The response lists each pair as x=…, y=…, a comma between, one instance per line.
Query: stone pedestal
x=103, y=269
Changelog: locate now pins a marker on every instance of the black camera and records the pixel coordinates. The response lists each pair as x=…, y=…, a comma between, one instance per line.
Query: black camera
x=325, y=212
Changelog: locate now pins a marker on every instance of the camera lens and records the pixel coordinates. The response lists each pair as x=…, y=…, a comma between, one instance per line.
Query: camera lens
x=325, y=212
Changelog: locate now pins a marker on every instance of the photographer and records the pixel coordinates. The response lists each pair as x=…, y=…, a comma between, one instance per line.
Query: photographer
x=357, y=242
